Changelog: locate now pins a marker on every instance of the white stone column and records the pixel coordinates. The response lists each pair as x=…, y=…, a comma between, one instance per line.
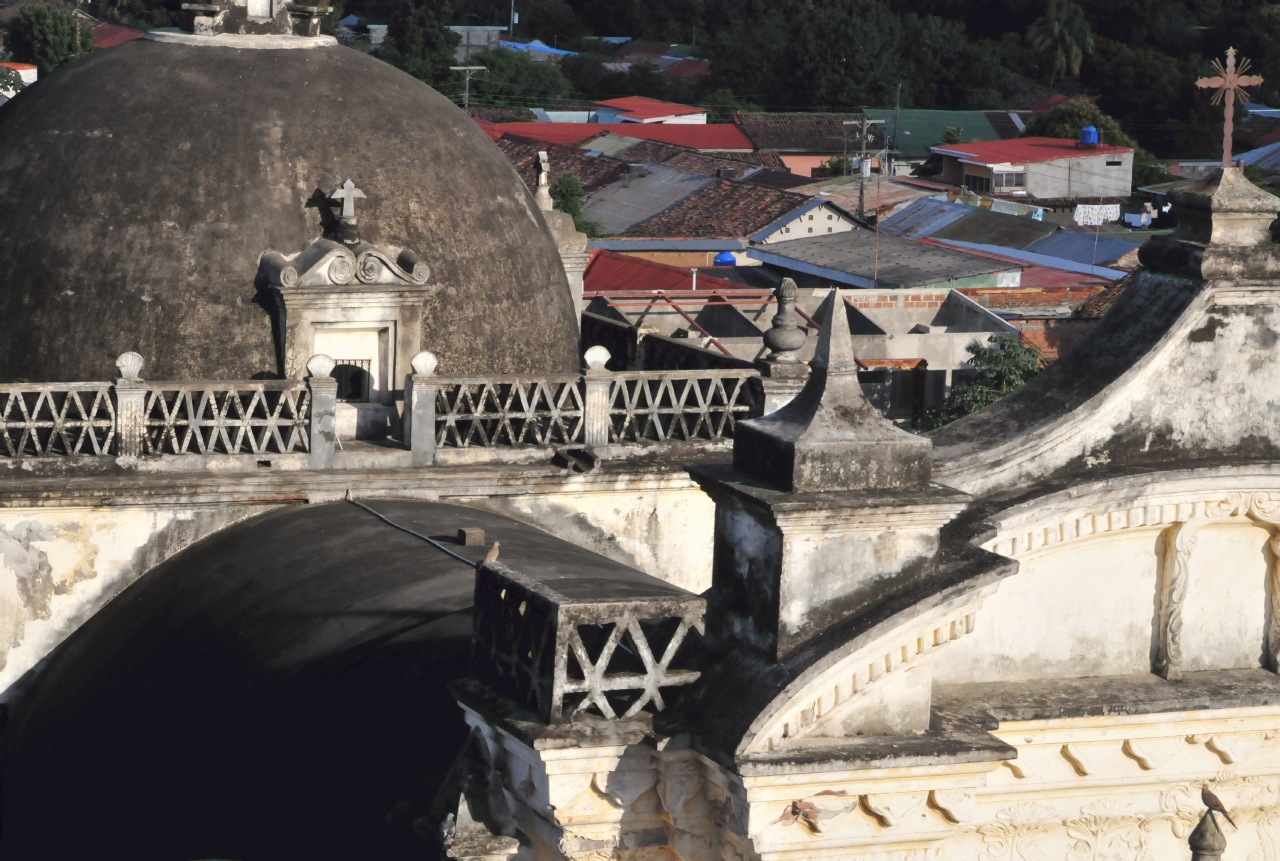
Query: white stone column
x=595, y=402
x=420, y=409
x=131, y=405
x=324, y=397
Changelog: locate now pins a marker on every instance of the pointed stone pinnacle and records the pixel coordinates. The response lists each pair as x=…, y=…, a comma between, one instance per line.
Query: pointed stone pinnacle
x=830, y=437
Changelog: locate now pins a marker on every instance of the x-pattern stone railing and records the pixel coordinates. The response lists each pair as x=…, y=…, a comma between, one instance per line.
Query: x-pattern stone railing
x=136, y=418
x=232, y=417
x=509, y=411
x=56, y=419
x=529, y=641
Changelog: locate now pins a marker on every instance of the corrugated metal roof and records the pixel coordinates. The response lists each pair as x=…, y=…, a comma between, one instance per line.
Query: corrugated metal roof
x=1041, y=259
x=856, y=257
x=1025, y=150
x=920, y=129
x=641, y=108
x=609, y=144
x=625, y=203
x=923, y=218
x=712, y=136
x=995, y=228
x=1082, y=247
x=1264, y=158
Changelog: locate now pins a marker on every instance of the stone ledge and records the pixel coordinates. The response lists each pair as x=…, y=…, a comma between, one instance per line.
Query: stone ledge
x=1136, y=694
x=241, y=41
x=928, y=750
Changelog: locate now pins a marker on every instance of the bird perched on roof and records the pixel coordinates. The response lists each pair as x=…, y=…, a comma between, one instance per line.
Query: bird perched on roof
x=1215, y=804
x=492, y=556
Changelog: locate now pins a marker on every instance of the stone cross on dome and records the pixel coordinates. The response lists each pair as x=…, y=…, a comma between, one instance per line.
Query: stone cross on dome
x=347, y=193
x=1228, y=82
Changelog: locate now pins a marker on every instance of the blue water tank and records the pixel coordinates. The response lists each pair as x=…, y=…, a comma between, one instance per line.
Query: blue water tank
x=725, y=258
x=1089, y=136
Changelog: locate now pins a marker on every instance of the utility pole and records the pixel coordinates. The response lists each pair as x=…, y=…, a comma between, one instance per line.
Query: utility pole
x=511, y=27
x=897, y=118
x=466, y=84
x=864, y=168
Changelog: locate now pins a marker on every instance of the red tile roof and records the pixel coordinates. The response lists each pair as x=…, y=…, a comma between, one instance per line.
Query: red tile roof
x=684, y=158
x=712, y=136
x=640, y=108
x=19, y=67
x=593, y=172
x=490, y=129
x=110, y=35
x=722, y=210
x=611, y=272
x=1025, y=150
x=824, y=134
x=687, y=68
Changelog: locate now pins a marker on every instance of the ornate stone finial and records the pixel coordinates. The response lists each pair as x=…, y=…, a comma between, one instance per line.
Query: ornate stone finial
x=424, y=363
x=320, y=365
x=543, y=194
x=1207, y=841
x=596, y=357
x=830, y=437
x=130, y=366
x=785, y=337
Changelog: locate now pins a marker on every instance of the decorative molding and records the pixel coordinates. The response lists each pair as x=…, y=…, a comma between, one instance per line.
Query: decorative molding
x=1105, y=831
x=1149, y=753
x=893, y=810
x=1086, y=757
x=956, y=805
x=1018, y=833
x=822, y=701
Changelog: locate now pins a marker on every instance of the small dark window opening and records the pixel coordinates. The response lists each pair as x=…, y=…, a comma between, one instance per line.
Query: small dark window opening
x=1114, y=163
x=977, y=184
x=354, y=380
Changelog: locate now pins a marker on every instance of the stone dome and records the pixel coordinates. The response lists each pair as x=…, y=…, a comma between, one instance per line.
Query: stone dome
x=140, y=186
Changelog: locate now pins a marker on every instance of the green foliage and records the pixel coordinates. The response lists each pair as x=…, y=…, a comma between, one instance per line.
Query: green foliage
x=953, y=135
x=10, y=81
x=512, y=79
x=568, y=194
x=839, y=166
x=722, y=104
x=329, y=23
x=1255, y=175
x=48, y=37
x=1067, y=119
x=1002, y=367
x=1063, y=34
x=420, y=42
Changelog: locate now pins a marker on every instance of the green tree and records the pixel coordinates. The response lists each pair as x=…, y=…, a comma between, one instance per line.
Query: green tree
x=953, y=135
x=1067, y=119
x=1002, y=367
x=49, y=37
x=645, y=79
x=1064, y=35
x=10, y=81
x=722, y=105
x=570, y=197
x=420, y=42
x=512, y=79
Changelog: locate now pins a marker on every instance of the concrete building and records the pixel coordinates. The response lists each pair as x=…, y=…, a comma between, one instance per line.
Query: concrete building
x=566, y=612
x=1039, y=168
x=475, y=39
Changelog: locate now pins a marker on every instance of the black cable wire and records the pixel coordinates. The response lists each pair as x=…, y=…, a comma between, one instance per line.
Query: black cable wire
x=436, y=544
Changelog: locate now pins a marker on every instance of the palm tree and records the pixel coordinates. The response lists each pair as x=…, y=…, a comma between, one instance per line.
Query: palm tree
x=1063, y=33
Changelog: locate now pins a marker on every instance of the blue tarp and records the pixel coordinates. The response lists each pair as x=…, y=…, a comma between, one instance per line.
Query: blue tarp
x=1079, y=247
x=922, y=218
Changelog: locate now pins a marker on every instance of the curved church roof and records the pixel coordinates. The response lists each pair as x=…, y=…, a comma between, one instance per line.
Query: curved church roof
x=139, y=187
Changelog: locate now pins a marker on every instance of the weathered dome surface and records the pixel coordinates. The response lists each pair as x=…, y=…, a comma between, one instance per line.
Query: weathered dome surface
x=139, y=186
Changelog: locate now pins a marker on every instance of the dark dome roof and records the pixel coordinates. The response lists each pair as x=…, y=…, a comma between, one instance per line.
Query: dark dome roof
x=139, y=186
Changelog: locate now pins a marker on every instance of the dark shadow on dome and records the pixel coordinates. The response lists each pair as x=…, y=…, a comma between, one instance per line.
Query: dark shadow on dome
x=140, y=186
x=276, y=691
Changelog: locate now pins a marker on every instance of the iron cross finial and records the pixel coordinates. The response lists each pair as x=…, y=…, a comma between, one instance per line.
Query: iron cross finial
x=1229, y=81
x=347, y=193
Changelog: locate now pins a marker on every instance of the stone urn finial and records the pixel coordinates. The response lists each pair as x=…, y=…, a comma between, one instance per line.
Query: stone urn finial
x=130, y=366
x=320, y=365
x=424, y=364
x=785, y=337
x=1207, y=841
x=596, y=358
